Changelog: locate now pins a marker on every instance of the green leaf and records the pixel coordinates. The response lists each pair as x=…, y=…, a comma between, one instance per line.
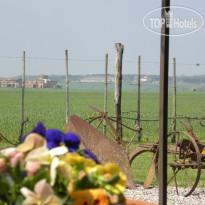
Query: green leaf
x=19, y=200
x=60, y=186
x=113, y=179
x=17, y=173
x=4, y=187
x=30, y=182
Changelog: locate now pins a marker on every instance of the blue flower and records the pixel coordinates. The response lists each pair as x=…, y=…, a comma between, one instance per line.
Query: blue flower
x=39, y=129
x=90, y=155
x=71, y=140
x=55, y=138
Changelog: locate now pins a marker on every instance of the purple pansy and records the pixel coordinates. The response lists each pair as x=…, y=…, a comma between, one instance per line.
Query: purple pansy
x=39, y=129
x=55, y=138
x=88, y=154
x=71, y=141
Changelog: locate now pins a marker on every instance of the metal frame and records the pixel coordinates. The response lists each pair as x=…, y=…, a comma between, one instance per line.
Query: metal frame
x=164, y=65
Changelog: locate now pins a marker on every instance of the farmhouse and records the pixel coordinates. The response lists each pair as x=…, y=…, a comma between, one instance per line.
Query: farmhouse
x=10, y=83
x=42, y=82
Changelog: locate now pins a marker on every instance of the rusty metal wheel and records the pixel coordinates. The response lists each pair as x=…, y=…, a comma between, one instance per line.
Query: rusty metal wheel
x=184, y=163
x=143, y=159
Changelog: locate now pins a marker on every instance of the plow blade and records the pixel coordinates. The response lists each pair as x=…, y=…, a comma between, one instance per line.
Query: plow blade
x=100, y=145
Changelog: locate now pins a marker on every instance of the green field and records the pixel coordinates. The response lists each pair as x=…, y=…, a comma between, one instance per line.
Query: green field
x=48, y=106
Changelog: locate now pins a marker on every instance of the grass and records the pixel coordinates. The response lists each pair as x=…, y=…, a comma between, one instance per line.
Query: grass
x=48, y=106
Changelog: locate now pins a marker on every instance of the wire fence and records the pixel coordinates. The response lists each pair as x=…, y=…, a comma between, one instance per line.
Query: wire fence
x=55, y=66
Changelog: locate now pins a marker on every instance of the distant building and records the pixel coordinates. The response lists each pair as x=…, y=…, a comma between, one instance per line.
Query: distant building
x=42, y=82
x=142, y=79
x=10, y=83
x=97, y=79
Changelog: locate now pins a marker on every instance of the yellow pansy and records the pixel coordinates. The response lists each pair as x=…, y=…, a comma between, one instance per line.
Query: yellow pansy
x=74, y=158
x=203, y=152
x=89, y=197
x=64, y=168
x=97, y=169
x=111, y=169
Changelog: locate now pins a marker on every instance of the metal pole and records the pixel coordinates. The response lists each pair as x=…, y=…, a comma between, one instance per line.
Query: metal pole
x=105, y=90
x=174, y=100
x=67, y=85
x=22, y=95
x=164, y=65
x=138, y=100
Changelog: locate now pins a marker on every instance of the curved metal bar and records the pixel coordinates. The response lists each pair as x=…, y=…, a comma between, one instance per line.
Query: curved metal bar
x=123, y=124
x=95, y=118
x=137, y=151
x=203, y=125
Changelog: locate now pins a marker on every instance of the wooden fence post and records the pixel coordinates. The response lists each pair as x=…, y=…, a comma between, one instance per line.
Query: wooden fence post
x=105, y=90
x=22, y=96
x=67, y=85
x=118, y=86
x=174, y=99
x=138, y=100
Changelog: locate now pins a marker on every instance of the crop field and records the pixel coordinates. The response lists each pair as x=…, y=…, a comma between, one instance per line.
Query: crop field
x=48, y=106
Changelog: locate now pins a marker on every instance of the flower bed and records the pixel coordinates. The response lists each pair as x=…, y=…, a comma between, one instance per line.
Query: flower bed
x=49, y=168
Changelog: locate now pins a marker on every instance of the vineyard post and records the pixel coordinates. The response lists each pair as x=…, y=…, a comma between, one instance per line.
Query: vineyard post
x=105, y=90
x=22, y=95
x=138, y=100
x=67, y=85
x=118, y=87
x=174, y=100
x=163, y=103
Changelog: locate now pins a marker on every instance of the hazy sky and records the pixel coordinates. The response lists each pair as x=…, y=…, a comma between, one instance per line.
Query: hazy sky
x=88, y=29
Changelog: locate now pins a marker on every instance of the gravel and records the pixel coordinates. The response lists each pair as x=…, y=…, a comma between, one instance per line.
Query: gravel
x=152, y=195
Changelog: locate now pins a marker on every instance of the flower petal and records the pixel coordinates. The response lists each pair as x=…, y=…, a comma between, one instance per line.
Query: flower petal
x=43, y=189
x=53, y=138
x=73, y=158
x=52, y=200
x=71, y=140
x=64, y=169
x=39, y=129
x=8, y=151
x=53, y=170
x=40, y=154
x=33, y=140
x=32, y=167
x=28, y=193
x=58, y=151
x=114, y=169
x=3, y=167
x=90, y=155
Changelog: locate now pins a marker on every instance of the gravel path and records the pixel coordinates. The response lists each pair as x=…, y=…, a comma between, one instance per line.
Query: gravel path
x=152, y=194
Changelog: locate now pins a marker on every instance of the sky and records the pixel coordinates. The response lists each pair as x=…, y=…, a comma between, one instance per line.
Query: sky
x=89, y=29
